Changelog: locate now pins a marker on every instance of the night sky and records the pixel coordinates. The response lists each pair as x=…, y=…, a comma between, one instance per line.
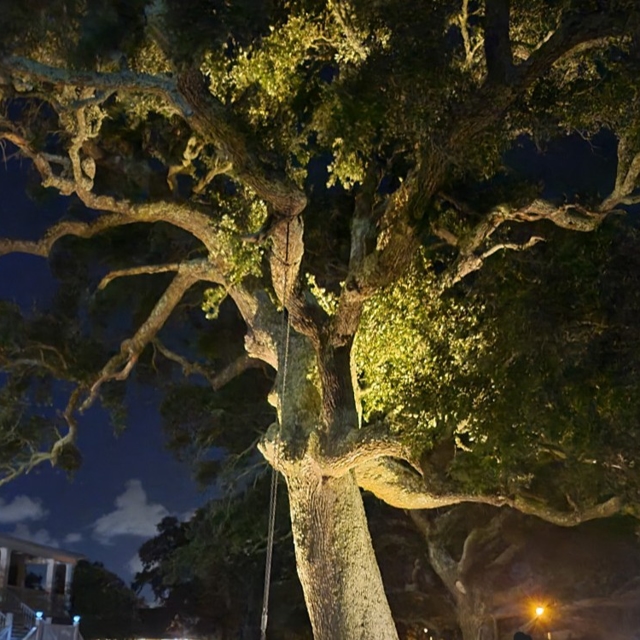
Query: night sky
x=126, y=484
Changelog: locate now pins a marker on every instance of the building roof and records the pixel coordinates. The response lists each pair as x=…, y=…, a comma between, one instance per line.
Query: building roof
x=39, y=550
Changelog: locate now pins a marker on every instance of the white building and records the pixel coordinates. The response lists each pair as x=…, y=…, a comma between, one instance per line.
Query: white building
x=33, y=578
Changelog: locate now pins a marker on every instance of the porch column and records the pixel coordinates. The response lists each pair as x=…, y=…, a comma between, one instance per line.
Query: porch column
x=68, y=579
x=5, y=561
x=21, y=570
x=48, y=581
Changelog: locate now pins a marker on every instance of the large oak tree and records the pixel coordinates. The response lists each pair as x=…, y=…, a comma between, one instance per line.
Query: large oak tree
x=223, y=121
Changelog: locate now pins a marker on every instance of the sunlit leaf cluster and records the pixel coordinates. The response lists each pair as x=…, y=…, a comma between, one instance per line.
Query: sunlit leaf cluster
x=234, y=219
x=417, y=353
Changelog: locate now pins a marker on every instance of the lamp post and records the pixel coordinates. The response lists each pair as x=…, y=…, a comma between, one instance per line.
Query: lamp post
x=540, y=609
x=39, y=624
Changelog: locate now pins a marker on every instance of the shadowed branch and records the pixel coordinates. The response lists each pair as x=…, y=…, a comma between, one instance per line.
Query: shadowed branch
x=216, y=380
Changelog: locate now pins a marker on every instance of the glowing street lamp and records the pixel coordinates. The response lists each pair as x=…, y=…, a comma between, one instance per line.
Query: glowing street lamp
x=539, y=611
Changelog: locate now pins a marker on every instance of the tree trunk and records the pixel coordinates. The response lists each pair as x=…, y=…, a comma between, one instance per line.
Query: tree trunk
x=336, y=564
x=474, y=624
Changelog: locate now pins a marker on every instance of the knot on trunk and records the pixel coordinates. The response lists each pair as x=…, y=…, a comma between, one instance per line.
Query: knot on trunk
x=284, y=451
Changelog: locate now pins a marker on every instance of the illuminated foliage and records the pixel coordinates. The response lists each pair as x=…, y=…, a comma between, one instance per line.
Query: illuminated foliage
x=419, y=352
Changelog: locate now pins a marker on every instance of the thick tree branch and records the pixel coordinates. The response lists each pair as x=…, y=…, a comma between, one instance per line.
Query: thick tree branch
x=486, y=106
x=305, y=315
x=395, y=246
x=440, y=559
x=485, y=539
x=378, y=259
x=627, y=174
x=253, y=303
x=209, y=117
x=362, y=446
x=43, y=246
x=183, y=216
x=214, y=122
x=363, y=245
x=573, y=217
x=402, y=487
x=630, y=181
x=264, y=323
x=129, y=81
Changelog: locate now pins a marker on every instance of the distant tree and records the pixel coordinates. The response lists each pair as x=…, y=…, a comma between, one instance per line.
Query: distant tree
x=332, y=167
x=210, y=569
x=172, y=535
x=499, y=566
x=106, y=606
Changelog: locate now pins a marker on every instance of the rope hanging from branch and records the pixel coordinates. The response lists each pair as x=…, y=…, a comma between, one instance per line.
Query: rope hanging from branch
x=273, y=495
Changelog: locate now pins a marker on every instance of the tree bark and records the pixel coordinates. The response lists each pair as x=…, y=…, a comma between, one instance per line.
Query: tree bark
x=473, y=626
x=336, y=563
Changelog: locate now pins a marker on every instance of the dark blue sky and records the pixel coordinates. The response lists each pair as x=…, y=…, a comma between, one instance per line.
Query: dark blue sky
x=127, y=483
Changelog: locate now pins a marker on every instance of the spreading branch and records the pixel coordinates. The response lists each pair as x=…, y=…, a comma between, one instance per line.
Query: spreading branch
x=467, y=264
x=472, y=251
x=440, y=559
x=190, y=97
x=396, y=242
x=120, y=211
x=254, y=304
x=44, y=246
x=401, y=487
x=214, y=122
x=469, y=48
x=120, y=365
x=149, y=269
x=216, y=380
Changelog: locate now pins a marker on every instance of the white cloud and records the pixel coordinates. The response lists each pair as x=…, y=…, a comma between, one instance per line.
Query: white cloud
x=187, y=515
x=72, y=538
x=134, y=565
x=21, y=509
x=41, y=536
x=133, y=516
